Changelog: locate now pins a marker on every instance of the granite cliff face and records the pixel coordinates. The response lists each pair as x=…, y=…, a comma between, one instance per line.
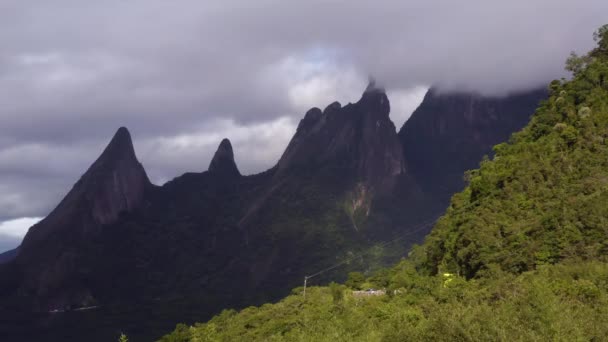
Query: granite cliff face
x=115, y=184
x=449, y=133
x=358, y=136
x=223, y=160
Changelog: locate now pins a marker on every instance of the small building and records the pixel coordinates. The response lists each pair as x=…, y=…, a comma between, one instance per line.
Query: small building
x=369, y=293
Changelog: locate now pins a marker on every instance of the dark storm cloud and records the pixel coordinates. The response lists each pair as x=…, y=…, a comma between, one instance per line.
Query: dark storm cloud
x=184, y=74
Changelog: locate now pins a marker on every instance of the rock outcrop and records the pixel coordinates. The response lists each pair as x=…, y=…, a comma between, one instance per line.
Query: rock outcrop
x=223, y=160
x=449, y=133
x=359, y=136
x=116, y=183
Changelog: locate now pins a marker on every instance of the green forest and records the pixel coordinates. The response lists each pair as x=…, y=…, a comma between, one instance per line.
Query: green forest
x=520, y=255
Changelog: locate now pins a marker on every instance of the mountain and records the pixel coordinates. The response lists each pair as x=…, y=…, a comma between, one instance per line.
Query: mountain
x=116, y=183
x=116, y=243
x=450, y=132
x=223, y=161
x=120, y=253
x=360, y=137
x=519, y=255
x=8, y=255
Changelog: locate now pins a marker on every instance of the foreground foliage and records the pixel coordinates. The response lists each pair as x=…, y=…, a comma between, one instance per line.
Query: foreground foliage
x=521, y=254
x=561, y=302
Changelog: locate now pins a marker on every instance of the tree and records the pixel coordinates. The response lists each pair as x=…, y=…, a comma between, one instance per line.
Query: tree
x=123, y=338
x=575, y=63
x=601, y=37
x=355, y=280
x=337, y=292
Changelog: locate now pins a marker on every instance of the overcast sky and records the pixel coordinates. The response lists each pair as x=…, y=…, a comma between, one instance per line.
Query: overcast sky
x=183, y=74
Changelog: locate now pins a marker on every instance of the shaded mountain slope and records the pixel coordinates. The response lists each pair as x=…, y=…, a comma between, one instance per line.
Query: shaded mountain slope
x=8, y=255
x=115, y=183
x=450, y=132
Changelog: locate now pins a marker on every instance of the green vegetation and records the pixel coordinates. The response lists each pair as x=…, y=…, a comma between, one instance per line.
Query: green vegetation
x=520, y=255
x=543, y=198
x=562, y=302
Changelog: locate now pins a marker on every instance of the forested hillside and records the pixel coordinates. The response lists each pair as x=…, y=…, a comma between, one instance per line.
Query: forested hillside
x=520, y=254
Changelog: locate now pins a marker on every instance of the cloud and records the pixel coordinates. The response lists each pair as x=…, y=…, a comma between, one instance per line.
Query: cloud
x=404, y=102
x=256, y=147
x=181, y=74
x=8, y=242
x=13, y=231
x=17, y=228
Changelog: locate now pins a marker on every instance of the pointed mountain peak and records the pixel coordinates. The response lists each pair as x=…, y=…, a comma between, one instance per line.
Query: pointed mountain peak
x=313, y=114
x=374, y=99
x=223, y=160
x=225, y=145
x=115, y=183
x=333, y=107
x=359, y=135
x=122, y=135
x=120, y=147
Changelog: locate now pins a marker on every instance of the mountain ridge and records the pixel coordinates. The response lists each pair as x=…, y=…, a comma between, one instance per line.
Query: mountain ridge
x=519, y=255
x=342, y=185
x=447, y=126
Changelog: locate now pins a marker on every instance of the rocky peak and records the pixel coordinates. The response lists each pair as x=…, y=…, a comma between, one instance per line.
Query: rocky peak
x=121, y=146
x=457, y=129
x=313, y=115
x=379, y=142
x=359, y=136
x=115, y=183
x=223, y=160
x=375, y=101
x=332, y=108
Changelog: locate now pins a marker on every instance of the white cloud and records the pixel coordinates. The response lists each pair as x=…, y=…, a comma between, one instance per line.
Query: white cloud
x=317, y=80
x=18, y=227
x=322, y=78
x=404, y=102
x=257, y=147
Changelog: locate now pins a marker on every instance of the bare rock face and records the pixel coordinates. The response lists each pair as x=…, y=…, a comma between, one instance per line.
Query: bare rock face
x=223, y=160
x=116, y=183
x=359, y=136
x=118, y=180
x=381, y=150
x=450, y=132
